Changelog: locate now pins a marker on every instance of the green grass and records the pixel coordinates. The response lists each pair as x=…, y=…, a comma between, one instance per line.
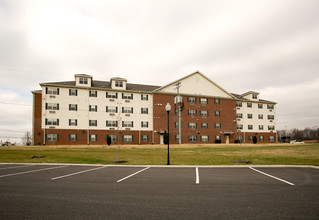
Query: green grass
x=306, y=154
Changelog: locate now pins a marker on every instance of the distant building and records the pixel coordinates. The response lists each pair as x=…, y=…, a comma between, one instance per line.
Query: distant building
x=85, y=111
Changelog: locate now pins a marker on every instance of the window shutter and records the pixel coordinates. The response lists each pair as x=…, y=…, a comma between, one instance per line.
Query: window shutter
x=69, y=137
x=76, y=137
x=58, y=91
x=76, y=107
x=69, y=106
x=195, y=110
x=89, y=107
x=132, y=125
x=122, y=109
x=58, y=106
x=96, y=108
x=115, y=95
x=122, y=95
x=132, y=137
x=76, y=92
x=46, y=137
x=196, y=125
x=46, y=105
x=46, y=90
x=69, y=121
x=57, y=122
x=116, y=109
x=132, y=109
x=76, y=122
x=132, y=96
x=106, y=108
x=46, y=121
x=69, y=91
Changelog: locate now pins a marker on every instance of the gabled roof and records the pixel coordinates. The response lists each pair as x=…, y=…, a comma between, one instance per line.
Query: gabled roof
x=83, y=75
x=241, y=98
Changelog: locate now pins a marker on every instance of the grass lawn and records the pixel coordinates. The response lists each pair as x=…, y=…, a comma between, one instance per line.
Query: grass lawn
x=185, y=154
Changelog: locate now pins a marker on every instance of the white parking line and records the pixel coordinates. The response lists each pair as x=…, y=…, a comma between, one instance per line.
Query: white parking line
x=5, y=168
x=273, y=176
x=132, y=175
x=32, y=171
x=197, y=176
x=71, y=174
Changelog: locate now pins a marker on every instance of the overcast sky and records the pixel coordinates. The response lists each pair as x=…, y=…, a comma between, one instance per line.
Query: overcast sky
x=270, y=46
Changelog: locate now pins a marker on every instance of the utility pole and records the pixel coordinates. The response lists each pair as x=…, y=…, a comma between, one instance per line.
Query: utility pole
x=178, y=102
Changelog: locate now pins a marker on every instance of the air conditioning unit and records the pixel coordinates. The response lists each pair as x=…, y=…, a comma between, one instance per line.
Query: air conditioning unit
x=270, y=110
x=112, y=128
x=112, y=114
x=238, y=108
x=127, y=129
x=271, y=131
x=128, y=115
x=112, y=100
x=271, y=120
x=52, y=96
x=52, y=112
x=52, y=127
x=128, y=101
x=238, y=119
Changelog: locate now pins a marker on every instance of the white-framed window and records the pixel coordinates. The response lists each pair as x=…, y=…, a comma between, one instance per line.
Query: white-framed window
x=93, y=108
x=52, y=90
x=255, y=96
x=114, y=138
x=127, y=138
x=83, y=81
x=144, y=110
x=216, y=101
x=250, y=127
x=249, y=105
x=118, y=83
x=261, y=127
x=92, y=122
x=93, y=137
x=127, y=96
x=203, y=113
x=217, y=138
x=260, y=116
x=51, y=121
x=192, y=112
x=144, y=97
x=204, y=138
x=271, y=117
x=127, y=110
x=239, y=104
x=111, y=95
x=93, y=93
x=218, y=125
x=217, y=113
x=145, y=138
x=270, y=106
x=260, y=105
x=72, y=137
x=73, y=107
x=240, y=126
x=191, y=99
x=203, y=101
x=271, y=127
x=250, y=138
x=52, y=106
x=144, y=124
x=192, y=125
x=271, y=138
x=73, y=92
x=239, y=115
x=73, y=122
x=127, y=124
x=52, y=137
x=261, y=138
x=111, y=123
x=250, y=116
x=192, y=138
x=112, y=109
x=204, y=125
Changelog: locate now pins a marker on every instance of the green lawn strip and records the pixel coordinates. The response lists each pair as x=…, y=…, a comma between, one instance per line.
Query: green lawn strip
x=202, y=155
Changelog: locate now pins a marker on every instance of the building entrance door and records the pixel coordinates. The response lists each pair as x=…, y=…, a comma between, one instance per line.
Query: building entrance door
x=162, y=139
x=227, y=139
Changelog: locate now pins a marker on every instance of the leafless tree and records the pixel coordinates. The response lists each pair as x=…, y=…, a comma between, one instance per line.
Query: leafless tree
x=27, y=139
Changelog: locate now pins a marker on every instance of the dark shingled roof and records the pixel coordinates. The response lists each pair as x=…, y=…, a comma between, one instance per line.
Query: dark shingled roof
x=106, y=85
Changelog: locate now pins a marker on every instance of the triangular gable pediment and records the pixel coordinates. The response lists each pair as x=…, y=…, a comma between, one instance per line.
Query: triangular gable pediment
x=196, y=84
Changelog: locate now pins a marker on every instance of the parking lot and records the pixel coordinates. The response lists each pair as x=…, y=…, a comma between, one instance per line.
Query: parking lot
x=31, y=191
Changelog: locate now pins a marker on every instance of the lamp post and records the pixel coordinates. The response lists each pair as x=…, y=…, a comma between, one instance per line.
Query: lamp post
x=168, y=109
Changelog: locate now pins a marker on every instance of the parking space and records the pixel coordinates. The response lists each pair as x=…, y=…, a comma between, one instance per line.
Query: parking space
x=143, y=192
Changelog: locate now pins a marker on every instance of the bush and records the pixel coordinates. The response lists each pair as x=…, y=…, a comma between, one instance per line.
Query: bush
x=108, y=140
x=255, y=140
x=165, y=138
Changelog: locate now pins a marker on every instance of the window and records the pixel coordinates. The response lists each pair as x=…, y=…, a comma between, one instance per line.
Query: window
x=250, y=138
x=192, y=125
x=261, y=127
x=270, y=106
x=250, y=127
x=52, y=106
x=240, y=127
x=113, y=138
x=260, y=116
x=52, y=91
x=73, y=107
x=271, y=117
x=250, y=116
x=111, y=109
x=204, y=138
x=192, y=112
x=204, y=125
x=127, y=109
x=111, y=123
x=239, y=115
x=73, y=92
x=118, y=84
x=203, y=113
x=93, y=137
x=216, y=101
x=127, y=138
x=203, y=101
x=239, y=104
x=51, y=121
x=73, y=122
x=145, y=138
x=260, y=105
x=217, y=113
x=217, y=125
x=271, y=127
x=144, y=97
x=192, y=138
x=52, y=137
x=144, y=124
x=92, y=122
x=111, y=95
x=83, y=81
x=144, y=110
x=255, y=96
x=93, y=93
x=93, y=108
x=191, y=99
x=127, y=96
x=72, y=137
x=271, y=138
x=217, y=138
x=261, y=138
x=249, y=105
x=239, y=138
x=127, y=124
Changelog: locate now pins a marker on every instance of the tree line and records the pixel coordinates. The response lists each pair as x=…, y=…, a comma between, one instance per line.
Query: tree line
x=298, y=134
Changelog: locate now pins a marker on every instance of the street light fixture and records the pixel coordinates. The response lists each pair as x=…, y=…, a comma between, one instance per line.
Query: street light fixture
x=168, y=109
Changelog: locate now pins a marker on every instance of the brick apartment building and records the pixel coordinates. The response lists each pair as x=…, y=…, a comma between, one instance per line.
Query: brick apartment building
x=85, y=111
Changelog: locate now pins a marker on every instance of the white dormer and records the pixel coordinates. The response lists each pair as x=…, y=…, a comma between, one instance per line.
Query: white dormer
x=251, y=95
x=83, y=80
x=118, y=83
